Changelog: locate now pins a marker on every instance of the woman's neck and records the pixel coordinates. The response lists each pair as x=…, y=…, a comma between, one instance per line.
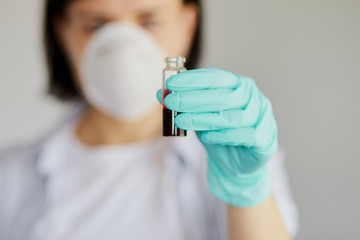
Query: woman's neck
x=96, y=128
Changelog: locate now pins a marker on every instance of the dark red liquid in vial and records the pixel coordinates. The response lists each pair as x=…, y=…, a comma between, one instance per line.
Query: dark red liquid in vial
x=169, y=127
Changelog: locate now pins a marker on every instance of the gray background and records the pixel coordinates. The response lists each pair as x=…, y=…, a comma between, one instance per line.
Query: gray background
x=304, y=55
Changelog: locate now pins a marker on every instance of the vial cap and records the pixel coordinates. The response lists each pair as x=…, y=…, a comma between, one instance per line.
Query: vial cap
x=175, y=59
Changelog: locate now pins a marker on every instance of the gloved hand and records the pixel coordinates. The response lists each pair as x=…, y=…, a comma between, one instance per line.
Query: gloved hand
x=235, y=123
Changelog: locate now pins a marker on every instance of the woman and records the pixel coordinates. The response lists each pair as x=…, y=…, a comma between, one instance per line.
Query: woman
x=106, y=172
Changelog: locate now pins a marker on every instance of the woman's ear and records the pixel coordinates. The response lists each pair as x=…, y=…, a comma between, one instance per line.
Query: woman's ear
x=190, y=21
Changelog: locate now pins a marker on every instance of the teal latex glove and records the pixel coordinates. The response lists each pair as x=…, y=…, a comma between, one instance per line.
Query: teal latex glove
x=235, y=123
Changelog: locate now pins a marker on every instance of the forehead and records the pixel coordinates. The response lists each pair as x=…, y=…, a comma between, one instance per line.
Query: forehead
x=122, y=6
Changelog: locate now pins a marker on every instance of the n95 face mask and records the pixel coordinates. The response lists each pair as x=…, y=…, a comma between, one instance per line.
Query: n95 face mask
x=122, y=70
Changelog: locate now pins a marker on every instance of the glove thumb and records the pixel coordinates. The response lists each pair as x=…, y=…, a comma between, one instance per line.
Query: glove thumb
x=159, y=95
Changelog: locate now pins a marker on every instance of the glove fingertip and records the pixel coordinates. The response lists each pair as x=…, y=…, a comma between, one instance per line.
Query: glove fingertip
x=181, y=121
x=206, y=138
x=159, y=95
x=171, y=82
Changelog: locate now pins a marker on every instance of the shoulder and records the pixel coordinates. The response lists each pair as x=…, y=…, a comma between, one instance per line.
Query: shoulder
x=24, y=154
x=22, y=184
x=21, y=188
x=17, y=164
x=17, y=157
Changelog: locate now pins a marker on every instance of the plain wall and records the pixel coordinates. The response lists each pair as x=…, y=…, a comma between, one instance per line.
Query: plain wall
x=304, y=55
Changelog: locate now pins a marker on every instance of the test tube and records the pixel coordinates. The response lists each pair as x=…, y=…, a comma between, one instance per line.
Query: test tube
x=174, y=65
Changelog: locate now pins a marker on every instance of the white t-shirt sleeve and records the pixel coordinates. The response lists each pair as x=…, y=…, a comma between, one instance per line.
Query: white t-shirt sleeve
x=282, y=193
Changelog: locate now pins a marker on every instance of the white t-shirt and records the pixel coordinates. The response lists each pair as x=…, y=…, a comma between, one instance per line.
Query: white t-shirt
x=108, y=192
x=145, y=190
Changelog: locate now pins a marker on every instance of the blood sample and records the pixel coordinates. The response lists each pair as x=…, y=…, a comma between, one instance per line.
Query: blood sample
x=174, y=65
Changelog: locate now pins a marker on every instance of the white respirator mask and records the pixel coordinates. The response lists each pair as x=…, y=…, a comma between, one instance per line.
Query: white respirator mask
x=122, y=70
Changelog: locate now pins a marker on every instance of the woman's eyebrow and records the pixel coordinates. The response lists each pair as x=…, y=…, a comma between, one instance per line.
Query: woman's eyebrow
x=90, y=13
x=87, y=14
x=142, y=11
x=151, y=10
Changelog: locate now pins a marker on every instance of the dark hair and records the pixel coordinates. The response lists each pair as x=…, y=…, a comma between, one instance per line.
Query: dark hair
x=61, y=81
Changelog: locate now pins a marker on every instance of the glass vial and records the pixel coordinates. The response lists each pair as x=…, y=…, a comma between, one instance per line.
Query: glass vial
x=174, y=65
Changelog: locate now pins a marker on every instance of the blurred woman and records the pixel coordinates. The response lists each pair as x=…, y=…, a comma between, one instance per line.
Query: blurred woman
x=107, y=173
